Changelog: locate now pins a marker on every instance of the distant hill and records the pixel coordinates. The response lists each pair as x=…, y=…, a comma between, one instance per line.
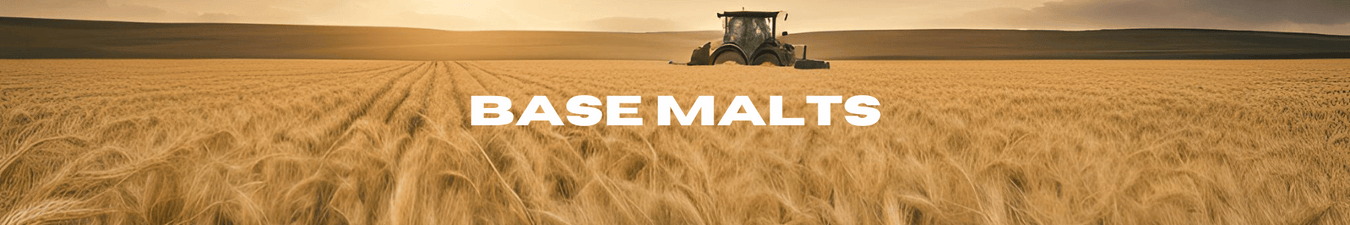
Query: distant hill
x=50, y=38
x=1096, y=44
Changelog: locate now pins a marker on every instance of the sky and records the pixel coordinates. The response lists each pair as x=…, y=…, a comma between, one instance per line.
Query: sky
x=1315, y=16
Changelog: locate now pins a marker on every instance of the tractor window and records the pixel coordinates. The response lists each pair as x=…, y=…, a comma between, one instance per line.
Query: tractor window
x=747, y=32
x=734, y=29
x=759, y=28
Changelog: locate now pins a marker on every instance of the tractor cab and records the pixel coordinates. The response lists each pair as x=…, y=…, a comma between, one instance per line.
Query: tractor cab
x=749, y=28
x=748, y=38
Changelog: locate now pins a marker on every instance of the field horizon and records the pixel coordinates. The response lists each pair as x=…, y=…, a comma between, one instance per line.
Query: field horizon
x=35, y=38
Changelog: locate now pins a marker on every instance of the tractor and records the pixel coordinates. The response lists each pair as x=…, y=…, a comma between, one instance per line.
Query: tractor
x=749, y=39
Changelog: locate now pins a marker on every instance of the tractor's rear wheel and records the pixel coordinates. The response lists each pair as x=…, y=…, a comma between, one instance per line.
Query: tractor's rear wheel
x=767, y=58
x=729, y=56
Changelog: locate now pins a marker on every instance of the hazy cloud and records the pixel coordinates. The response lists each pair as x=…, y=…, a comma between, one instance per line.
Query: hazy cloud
x=217, y=17
x=81, y=9
x=609, y=15
x=631, y=24
x=435, y=21
x=1322, y=16
x=1328, y=16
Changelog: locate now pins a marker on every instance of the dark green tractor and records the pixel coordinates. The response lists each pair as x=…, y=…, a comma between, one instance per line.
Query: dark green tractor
x=749, y=39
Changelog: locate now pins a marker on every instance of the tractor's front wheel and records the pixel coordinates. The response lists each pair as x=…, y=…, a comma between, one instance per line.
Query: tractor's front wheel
x=729, y=56
x=767, y=58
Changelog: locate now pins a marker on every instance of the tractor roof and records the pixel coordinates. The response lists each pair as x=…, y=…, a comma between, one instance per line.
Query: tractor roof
x=747, y=14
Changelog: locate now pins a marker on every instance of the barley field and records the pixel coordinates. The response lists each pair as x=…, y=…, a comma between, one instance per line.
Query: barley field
x=959, y=142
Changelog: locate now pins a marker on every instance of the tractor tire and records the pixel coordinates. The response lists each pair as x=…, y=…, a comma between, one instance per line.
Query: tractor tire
x=729, y=56
x=767, y=58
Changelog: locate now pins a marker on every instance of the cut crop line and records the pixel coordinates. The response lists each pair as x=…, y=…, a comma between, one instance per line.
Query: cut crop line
x=361, y=110
x=374, y=73
x=408, y=92
x=460, y=97
x=520, y=80
x=475, y=78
